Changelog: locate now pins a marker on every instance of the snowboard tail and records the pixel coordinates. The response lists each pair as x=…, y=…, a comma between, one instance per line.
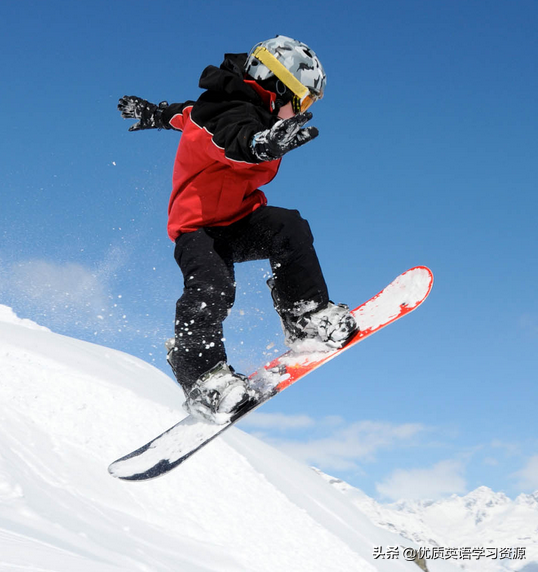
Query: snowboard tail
x=181, y=441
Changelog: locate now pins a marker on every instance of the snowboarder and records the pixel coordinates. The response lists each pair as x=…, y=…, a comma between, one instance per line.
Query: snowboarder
x=253, y=111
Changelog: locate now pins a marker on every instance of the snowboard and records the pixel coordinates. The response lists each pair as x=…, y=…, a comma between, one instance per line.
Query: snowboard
x=181, y=441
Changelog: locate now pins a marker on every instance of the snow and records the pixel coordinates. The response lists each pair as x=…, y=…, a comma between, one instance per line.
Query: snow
x=414, y=285
x=8, y=316
x=482, y=518
x=68, y=408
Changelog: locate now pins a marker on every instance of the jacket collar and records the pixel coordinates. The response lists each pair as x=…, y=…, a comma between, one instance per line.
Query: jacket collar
x=268, y=97
x=230, y=79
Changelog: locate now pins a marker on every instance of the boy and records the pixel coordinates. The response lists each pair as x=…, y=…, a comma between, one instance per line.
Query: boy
x=253, y=112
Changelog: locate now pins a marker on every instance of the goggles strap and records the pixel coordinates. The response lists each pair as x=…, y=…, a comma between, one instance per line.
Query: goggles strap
x=296, y=104
x=284, y=75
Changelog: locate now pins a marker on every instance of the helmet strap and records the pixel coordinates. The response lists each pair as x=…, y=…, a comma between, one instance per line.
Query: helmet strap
x=280, y=88
x=281, y=93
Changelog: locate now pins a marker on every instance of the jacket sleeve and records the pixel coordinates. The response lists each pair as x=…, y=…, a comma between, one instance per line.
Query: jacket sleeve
x=232, y=125
x=172, y=116
x=234, y=137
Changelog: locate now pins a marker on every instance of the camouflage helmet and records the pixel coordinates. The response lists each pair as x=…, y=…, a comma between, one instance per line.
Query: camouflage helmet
x=296, y=57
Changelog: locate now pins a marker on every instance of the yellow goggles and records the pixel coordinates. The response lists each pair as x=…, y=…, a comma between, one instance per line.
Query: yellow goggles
x=303, y=97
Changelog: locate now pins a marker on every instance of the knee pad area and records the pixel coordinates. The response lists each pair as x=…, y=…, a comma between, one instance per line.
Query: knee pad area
x=205, y=305
x=294, y=233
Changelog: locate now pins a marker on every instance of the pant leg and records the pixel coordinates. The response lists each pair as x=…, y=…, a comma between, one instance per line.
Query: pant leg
x=206, y=258
x=285, y=238
x=208, y=296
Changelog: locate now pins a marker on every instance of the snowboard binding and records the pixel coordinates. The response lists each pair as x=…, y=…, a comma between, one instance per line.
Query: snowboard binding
x=331, y=326
x=217, y=395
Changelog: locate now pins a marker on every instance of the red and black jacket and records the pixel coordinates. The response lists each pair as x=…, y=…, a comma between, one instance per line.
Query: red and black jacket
x=216, y=177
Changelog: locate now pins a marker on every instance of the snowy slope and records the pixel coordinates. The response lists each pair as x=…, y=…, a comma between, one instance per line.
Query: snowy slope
x=68, y=408
x=482, y=518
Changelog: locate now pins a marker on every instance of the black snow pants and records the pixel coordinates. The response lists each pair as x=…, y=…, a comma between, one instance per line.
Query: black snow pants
x=207, y=257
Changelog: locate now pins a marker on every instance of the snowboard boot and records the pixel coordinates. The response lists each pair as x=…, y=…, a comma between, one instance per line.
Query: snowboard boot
x=218, y=394
x=334, y=325
x=331, y=326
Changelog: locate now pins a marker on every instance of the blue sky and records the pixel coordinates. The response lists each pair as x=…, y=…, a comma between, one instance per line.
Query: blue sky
x=427, y=155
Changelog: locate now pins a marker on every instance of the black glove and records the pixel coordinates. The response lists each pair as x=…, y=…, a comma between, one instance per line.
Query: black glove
x=285, y=135
x=148, y=114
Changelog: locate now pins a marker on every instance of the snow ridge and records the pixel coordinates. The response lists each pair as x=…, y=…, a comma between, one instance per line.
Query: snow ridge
x=8, y=316
x=481, y=518
x=68, y=408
